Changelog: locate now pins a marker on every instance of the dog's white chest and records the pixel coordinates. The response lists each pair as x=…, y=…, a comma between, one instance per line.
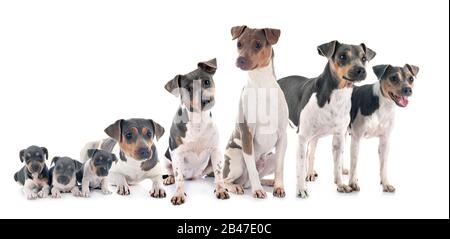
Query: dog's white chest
x=379, y=122
x=332, y=118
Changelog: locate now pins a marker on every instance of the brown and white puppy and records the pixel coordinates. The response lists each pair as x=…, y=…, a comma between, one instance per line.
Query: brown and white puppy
x=373, y=113
x=194, y=139
x=62, y=176
x=132, y=141
x=34, y=175
x=258, y=144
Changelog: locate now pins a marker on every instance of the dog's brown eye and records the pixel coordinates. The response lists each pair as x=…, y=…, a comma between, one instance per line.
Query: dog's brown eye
x=258, y=45
x=394, y=79
x=364, y=59
x=129, y=136
x=343, y=57
x=149, y=134
x=239, y=44
x=411, y=79
x=207, y=83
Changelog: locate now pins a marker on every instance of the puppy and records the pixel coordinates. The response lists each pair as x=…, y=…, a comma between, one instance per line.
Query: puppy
x=34, y=175
x=321, y=106
x=62, y=176
x=373, y=111
x=94, y=172
x=258, y=144
x=132, y=141
x=194, y=139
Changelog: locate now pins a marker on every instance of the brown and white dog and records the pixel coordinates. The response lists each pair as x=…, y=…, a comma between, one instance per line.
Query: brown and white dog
x=258, y=143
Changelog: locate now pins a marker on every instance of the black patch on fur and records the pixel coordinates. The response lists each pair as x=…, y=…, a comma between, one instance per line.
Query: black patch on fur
x=178, y=128
x=108, y=145
x=363, y=100
x=298, y=90
x=80, y=173
x=122, y=156
x=167, y=154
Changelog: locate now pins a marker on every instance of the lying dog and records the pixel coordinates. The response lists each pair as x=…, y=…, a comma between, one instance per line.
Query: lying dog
x=194, y=139
x=321, y=106
x=373, y=112
x=62, y=176
x=34, y=175
x=94, y=172
x=132, y=141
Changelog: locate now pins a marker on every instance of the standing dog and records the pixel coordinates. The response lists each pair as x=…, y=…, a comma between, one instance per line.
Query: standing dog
x=321, y=106
x=194, y=139
x=373, y=112
x=62, y=176
x=34, y=175
x=132, y=142
x=94, y=173
x=250, y=152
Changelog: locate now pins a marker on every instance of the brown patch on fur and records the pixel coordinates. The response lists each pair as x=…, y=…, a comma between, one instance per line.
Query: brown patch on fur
x=247, y=138
x=339, y=72
x=130, y=148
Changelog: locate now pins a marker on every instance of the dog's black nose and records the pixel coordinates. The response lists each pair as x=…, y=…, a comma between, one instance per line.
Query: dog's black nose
x=102, y=172
x=144, y=152
x=361, y=72
x=407, y=91
x=35, y=167
x=63, y=180
x=205, y=102
x=241, y=62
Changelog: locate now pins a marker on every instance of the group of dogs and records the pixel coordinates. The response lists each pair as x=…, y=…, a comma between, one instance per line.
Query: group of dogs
x=329, y=104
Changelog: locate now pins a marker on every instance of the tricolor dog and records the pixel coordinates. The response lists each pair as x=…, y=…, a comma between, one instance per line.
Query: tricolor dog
x=194, y=139
x=258, y=144
x=321, y=106
x=373, y=112
x=62, y=176
x=34, y=175
x=132, y=142
x=94, y=173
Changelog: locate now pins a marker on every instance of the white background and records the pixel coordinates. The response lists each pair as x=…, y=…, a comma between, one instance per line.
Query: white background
x=70, y=68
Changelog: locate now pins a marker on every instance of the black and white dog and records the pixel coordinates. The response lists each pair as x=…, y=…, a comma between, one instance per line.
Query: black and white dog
x=194, y=139
x=321, y=106
x=373, y=112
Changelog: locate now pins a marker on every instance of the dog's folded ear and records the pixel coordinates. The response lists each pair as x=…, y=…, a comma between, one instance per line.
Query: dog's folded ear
x=208, y=66
x=54, y=160
x=413, y=69
x=78, y=165
x=272, y=35
x=157, y=128
x=327, y=50
x=45, y=152
x=237, y=31
x=380, y=70
x=91, y=152
x=22, y=155
x=370, y=54
x=173, y=86
x=114, y=130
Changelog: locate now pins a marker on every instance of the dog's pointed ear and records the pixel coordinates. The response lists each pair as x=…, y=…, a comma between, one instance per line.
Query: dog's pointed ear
x=114, y=130
x=208, y=66
x=45, y=152
x=54, y=160
x=380, y=70
x=327, y=49
x=413, y=69
x=370, y=54
x=157, y=128
x=78, y=165
x=272, y=35
x=91, y=152
x=237, y=31
x=114, y=158
x=173, y=86
x=22, y=155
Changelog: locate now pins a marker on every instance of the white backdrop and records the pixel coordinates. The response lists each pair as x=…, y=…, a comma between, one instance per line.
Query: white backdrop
x=70, y=68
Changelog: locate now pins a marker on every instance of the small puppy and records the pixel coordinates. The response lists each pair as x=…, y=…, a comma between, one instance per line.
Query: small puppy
x=34, y=175
x=373, y=111
x=194, y=139
x=62, y=176
x=94, y=172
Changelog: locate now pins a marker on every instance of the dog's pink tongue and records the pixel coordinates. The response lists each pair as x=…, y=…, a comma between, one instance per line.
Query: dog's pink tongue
x=403, y=100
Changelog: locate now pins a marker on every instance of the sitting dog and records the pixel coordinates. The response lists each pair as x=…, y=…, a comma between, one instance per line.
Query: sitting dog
x=94, y=172
x=132, y=141
x=321, y=106
x=194, y=139
x=373, y=111
x=62, y=176
x=34, y=175
x=262, y=118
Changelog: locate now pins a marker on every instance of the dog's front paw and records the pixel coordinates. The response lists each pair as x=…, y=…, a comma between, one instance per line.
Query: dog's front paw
x=311, y=176
x=388, y=188
x=106, y=191
x=43, y=193
x=221, y=193
x=76, y=192
x=354, y=186
x=178, y=199
x=342, y=188
x=259, y=193
x=85, y=193
x=158, y=193
x=235, y=188
x=32, y=195
x=279, y=192
x=302, y=193
x=123, y=190
x=56, y=194
x=169, y=180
